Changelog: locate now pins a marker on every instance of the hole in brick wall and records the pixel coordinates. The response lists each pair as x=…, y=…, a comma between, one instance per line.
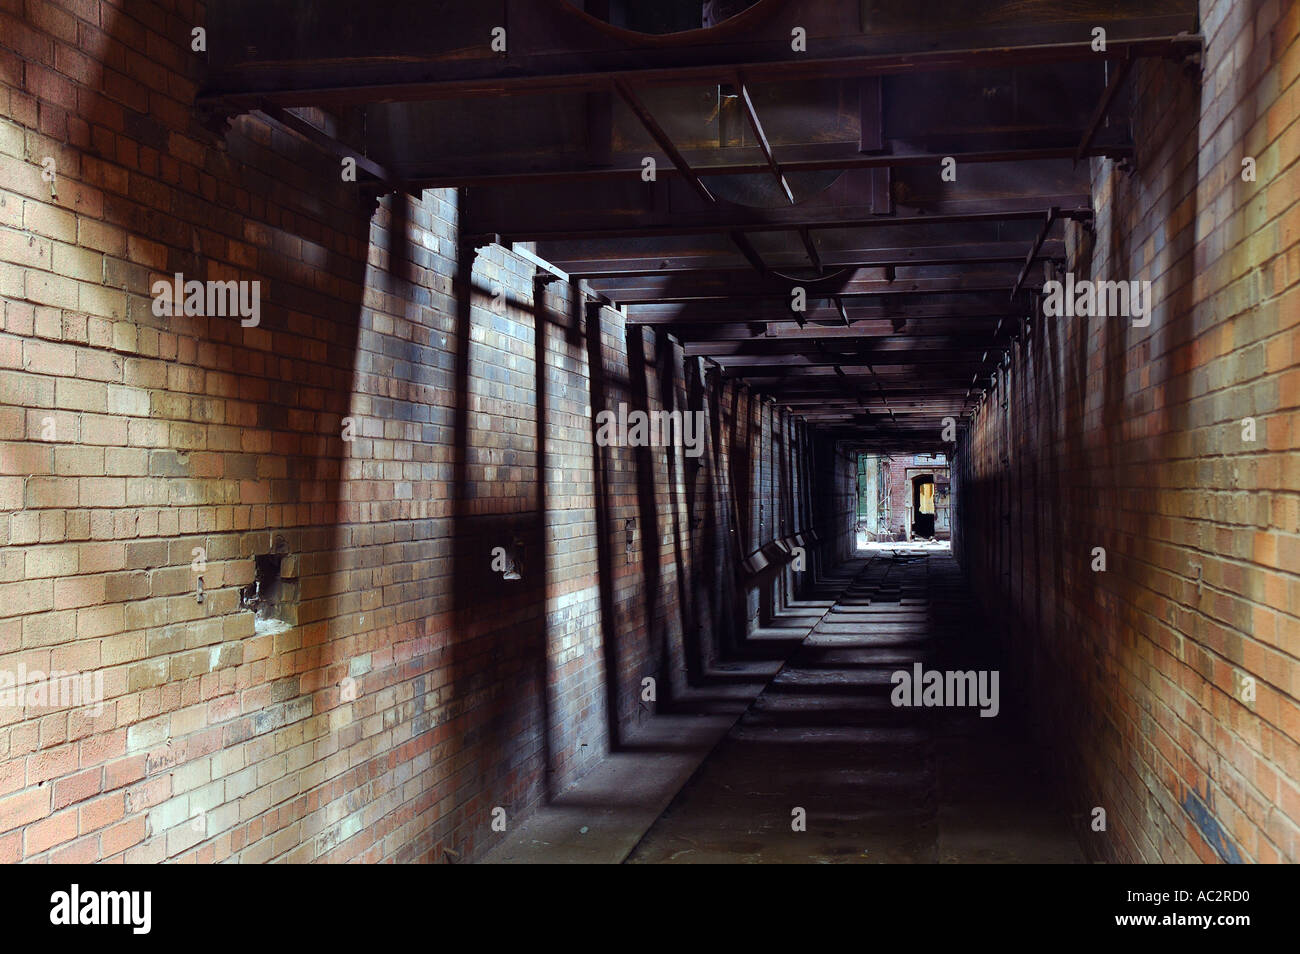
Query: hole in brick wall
x=273, y=594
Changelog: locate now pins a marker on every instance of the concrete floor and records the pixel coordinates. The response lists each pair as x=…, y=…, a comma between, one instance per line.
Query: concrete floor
x=877, y=783
x=601, y=818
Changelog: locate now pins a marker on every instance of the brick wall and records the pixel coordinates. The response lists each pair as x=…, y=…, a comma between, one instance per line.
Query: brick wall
x=388, y=422
x=902, y=468
x=1103, y=434
x=833, y=473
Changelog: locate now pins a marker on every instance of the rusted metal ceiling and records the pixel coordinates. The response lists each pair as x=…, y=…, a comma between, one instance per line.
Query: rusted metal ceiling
x=777, y=168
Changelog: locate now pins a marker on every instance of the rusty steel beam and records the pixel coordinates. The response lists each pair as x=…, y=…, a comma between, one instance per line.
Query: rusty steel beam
x=970, y=253
x=323, y=140
x=855, y=283
x=664, y=140
x=750, y=253
x=591, y=71
x=775, y=347
x=771, y=330
x=812, y=157
x=752, y=114
x=1033, y=251
x=810, y=248
x=751, y=220
x=710, y=313
x=620, y=211
x=943, y=375
x=1121, y=64
x=908, y=357
x=844, y=315
x=846, y=396
x=814, y=387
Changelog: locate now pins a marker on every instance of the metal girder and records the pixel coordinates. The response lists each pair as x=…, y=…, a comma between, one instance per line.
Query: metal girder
x=746, y=101
x=668, y=207
x=756, y=331
x=664, y=140
x=918, y=360
x=749, y=252
x=1034, y=251
x=810, y=247
x=323, y=140
x=970, y=253
x=850, y=283
x=735, y=219
x=906, y=276
x=898, y=400
x=844, y=314
x=941, y=305
x=738, y=160
x=319, y=54
x=1119, y=70
x=807, y=391
x=811, y=346
x=881, y=405
x=943, y=376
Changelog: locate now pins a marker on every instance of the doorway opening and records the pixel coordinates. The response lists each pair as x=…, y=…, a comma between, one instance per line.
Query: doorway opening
x=902, y=499
x=923, y=506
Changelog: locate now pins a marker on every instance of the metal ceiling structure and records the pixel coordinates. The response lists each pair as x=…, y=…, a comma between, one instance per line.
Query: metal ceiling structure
x=904, y=168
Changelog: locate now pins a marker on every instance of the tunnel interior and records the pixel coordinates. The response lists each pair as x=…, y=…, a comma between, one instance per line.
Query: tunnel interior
x=789, y=431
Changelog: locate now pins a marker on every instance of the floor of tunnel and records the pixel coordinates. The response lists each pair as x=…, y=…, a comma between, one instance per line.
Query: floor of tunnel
x=878, y=783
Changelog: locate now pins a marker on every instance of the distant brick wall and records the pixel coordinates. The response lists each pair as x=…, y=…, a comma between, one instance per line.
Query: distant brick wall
x=902, y=468
x=382, y=428
x=1131, y=439
x=834, y=480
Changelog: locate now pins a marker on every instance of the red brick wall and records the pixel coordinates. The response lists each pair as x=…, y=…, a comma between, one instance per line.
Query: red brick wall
x=902, y=468
x=1130, y=439
x=471, y=428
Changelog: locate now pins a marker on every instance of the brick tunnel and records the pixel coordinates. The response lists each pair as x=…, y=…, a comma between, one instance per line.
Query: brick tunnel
x=613, y=431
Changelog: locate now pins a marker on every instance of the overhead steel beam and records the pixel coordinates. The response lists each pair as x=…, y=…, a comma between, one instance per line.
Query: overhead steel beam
x=747, y=103
x=323, y=140
x=812, y=157
x=319, y=81
x=817, y=390
x=856, y=283
x=835, y=402
x=750, y=253
x=844, y=314
x=907, y=357
x=1120, y=66
x=968, y=253
x=810, y=248
x=664, y=140
x=753, y=331
x=737, y=219
x=662, y=208
x=1034, y=251
x=949, y=375
x=931, y=345
x=832, y=402
x=942, y=306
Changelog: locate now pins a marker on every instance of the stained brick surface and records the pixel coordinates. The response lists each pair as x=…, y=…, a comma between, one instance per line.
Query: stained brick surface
x=417, y=689
x=1102, y=434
